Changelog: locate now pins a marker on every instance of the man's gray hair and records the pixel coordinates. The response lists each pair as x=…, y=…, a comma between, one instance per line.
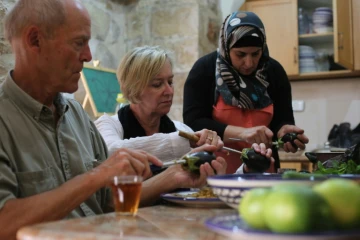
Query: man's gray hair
x=46, y=14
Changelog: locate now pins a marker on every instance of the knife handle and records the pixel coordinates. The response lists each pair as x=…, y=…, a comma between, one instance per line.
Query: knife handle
x=189, y=136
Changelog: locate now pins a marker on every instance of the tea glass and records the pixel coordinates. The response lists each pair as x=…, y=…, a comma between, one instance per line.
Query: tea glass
x=126, y=191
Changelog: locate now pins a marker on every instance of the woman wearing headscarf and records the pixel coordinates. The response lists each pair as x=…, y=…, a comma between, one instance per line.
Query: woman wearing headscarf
x=240, y=92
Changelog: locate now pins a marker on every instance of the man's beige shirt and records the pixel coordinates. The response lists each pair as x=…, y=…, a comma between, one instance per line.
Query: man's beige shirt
x=37, y=155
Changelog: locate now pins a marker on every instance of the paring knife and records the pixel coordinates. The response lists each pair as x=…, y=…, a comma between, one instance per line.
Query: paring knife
x=242, y=140
x=195, y=138
x=156, y=169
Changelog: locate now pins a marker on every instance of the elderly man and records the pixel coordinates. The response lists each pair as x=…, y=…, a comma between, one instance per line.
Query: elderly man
x=53, y=161
x=48, y=145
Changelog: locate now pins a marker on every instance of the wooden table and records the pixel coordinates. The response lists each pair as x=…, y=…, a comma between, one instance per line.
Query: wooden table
x=157, y=222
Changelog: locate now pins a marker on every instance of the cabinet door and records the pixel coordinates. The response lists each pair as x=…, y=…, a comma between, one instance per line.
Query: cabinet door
x=280, y=21
x=343, y=45
x=356, y=32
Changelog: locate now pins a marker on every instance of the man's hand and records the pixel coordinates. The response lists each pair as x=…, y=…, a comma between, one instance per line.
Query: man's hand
x=127, y=162
x=300, y=142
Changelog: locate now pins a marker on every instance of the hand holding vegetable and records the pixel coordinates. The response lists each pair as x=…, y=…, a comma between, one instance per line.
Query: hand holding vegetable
x=294, y=139
x=204, y=156
x=258, y=159
x=187, y=179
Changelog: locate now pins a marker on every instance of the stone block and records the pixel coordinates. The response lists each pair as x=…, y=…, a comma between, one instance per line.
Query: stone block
x=179, y=81
x=176, y=113
x=169, y=22
x=100, y=21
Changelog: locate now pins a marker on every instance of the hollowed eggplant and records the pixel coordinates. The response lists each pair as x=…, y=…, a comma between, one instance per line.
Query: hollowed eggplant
x=254, y=160
x=195, y=160
x=288, y=137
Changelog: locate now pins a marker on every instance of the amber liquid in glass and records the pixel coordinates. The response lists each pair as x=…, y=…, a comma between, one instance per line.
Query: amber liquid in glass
x=126, y=197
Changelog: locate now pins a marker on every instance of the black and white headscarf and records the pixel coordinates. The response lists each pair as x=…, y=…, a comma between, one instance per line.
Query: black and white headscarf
x=247, y=92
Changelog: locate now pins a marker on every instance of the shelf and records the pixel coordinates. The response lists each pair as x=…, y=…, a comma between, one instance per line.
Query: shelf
x=325, y=75
x=315, y=38
x=311, y=4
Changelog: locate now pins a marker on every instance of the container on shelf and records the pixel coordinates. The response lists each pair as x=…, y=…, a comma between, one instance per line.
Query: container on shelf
x=322, y=19
x=303, y=22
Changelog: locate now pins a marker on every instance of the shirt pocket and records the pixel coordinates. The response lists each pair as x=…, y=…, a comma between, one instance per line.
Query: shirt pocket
x=31, y=183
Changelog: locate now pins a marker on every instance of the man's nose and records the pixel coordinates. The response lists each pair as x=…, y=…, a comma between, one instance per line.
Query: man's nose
x=86, y=54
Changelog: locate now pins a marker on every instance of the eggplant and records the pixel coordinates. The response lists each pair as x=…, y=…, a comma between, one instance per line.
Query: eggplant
x=196, y=159
x=288, y=137
x=254, y=160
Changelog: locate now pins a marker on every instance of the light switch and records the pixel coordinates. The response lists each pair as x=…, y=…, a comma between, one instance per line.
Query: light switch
x=298, y=105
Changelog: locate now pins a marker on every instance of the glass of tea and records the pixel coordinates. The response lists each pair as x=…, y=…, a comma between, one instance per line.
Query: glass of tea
x=126, y=192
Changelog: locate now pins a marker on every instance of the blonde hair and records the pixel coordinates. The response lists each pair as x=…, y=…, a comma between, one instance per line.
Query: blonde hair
x=138, y=67
x=46, y=14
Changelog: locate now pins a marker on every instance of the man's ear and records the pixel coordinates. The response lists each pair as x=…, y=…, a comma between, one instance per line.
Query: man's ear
x=33, y=36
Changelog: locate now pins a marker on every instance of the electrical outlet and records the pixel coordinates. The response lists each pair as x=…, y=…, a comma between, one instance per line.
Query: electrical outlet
x=298, y=105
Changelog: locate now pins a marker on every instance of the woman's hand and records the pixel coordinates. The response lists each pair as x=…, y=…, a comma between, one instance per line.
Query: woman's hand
x=186, y=179
x=261, y=148
x=207, y=137
x=259, y=134
x=300, y=142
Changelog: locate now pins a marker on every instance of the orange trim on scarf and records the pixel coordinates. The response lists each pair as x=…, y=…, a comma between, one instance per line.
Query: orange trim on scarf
x=242, y=118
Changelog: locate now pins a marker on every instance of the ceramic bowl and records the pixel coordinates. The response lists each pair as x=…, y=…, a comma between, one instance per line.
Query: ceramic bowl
x=232, y=187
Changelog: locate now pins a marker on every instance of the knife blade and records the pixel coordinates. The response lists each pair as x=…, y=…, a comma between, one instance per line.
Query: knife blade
x=243, y=140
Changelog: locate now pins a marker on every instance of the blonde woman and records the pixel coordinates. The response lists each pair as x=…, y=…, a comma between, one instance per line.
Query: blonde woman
x=146, y=79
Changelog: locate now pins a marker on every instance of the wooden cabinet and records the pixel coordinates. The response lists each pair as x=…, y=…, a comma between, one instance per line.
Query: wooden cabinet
x=281, y=27
x=356, y=32
x=343, y=39
x=280, y=18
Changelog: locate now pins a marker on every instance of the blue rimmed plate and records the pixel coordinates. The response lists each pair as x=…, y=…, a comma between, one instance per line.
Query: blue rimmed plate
x=234, y=227
x=183, y=198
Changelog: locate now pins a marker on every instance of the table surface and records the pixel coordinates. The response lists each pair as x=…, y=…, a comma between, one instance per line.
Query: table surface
x=156, y=222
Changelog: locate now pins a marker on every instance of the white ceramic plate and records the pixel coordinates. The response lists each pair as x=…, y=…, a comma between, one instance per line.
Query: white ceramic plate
x=234, y=227
x=183, y=199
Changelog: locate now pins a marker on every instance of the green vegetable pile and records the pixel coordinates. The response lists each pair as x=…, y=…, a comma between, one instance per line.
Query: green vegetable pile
x=349, y=167
x=347, y=163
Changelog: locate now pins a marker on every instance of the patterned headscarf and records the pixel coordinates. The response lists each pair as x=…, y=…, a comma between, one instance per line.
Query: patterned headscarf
x=247, y=92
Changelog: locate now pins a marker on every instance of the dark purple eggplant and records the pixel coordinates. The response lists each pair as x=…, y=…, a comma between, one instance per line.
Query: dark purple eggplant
x=195, y=160
x=254, y=160
x=288, y=137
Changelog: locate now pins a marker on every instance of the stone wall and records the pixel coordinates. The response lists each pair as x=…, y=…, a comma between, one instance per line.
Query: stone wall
x=6, y=57
x=187, y=28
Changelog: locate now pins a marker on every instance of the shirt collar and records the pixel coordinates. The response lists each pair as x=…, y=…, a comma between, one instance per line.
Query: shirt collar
x=29, y=104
